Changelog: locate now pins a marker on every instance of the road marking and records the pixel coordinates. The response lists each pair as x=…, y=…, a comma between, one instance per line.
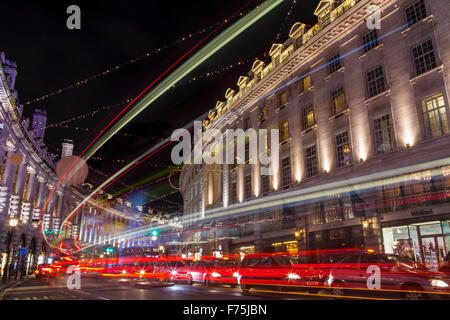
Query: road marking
x=104, y=298
x=84, y=292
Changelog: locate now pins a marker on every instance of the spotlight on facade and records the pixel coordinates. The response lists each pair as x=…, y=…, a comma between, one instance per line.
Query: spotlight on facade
x=365, y=224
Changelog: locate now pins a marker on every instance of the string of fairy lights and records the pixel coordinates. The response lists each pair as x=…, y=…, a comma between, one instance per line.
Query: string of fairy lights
x=286, y=18
x=205, y=75
x=117, y=67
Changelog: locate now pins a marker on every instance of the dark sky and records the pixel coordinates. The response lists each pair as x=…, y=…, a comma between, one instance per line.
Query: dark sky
x=50, y=57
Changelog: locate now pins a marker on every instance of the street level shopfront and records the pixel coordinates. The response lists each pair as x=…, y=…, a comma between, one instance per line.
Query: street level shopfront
x=424, y=237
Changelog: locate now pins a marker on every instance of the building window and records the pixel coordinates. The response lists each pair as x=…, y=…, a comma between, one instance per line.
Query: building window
x=283, y=99
x=375, y=81
x=370, y=41
x=435, y=116
x=284, y=130
x=246, y=124
x=265, y=184
x=311, y=161
x=338, y=100
x=309, y=119
x=343, y=150
x=306, y=83
x=423, y=57
x=16, y=176
x=415, y=12
x=383, y=139
x=334, y=63
x=25, y=189
x=248, y=187
x=247, y=152
x=234, y=192
x=286, y=172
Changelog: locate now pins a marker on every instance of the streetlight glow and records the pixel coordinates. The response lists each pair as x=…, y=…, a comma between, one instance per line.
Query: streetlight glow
x=13, y=222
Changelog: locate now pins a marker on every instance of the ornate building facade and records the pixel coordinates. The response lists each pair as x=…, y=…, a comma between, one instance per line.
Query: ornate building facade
x=363, y=151
x=27, y=178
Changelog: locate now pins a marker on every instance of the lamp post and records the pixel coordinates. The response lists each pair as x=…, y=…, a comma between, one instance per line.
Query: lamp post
x=12, y=224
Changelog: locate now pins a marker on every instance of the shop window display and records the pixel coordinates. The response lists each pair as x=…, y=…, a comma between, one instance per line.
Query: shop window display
x=426, y=243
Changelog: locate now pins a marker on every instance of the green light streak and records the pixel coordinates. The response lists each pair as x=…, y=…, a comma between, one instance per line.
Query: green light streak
x=198, y=58
x=155, y=176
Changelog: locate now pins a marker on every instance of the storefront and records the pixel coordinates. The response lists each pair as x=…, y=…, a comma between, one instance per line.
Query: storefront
x=426, y=242
x=286, y=246
x=339, y=238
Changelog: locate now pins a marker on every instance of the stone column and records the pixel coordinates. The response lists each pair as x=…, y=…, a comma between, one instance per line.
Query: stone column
x=40, y=200
x=27, y=195
x=21, y=178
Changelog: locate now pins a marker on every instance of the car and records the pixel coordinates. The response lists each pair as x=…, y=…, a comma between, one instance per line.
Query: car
x=44, y=272
x=172, y=270
x=222, y=272
x=199, y=271
x=278, y=272
x=399, y=277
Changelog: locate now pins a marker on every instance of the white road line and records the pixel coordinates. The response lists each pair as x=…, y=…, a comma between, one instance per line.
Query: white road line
x=84, y=292
x=104, y=298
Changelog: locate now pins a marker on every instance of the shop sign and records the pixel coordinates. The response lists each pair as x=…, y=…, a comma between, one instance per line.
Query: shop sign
x=421, y=212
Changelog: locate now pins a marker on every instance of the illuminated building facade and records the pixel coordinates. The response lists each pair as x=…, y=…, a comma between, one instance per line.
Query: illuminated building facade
x=26, y=179
x=349, y=102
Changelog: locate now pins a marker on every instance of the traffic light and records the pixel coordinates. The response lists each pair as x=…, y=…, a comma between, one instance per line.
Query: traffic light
x=109, y=250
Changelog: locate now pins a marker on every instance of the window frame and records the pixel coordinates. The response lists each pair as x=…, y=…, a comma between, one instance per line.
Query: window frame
x=316, y=161
x=385, y=87
x=336, y=65
x=410, y=23
x=422, y=57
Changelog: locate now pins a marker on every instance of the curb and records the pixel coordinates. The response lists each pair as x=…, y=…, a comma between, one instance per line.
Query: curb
x=4, y=287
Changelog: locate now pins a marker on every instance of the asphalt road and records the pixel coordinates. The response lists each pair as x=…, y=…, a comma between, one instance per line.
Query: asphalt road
x=102, y=289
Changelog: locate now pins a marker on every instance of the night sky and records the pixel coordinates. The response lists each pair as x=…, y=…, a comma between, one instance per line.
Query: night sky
x=50, y=57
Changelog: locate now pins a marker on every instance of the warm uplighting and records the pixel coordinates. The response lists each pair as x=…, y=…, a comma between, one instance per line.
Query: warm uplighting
x=365, y=224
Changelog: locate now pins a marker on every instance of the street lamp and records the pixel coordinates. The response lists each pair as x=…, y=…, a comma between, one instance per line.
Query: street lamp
x=12, y=224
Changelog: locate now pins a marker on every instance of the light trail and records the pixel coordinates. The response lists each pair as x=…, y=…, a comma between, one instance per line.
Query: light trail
x=234, y=29
x=198, y=58
x=118, y=126
x=295, y=197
